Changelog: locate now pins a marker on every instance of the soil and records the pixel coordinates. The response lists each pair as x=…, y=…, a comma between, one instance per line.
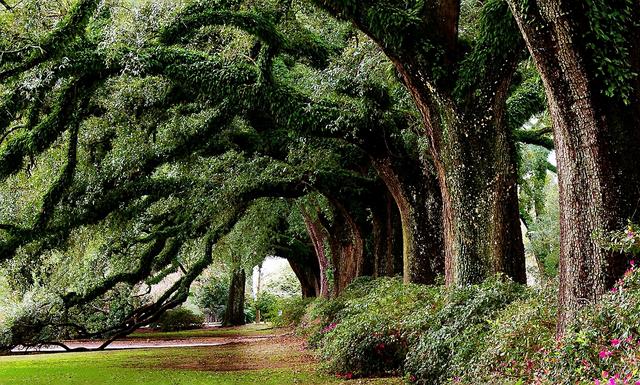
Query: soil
x=235, y=354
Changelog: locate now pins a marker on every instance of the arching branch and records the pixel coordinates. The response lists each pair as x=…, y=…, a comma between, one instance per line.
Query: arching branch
x=539, y=137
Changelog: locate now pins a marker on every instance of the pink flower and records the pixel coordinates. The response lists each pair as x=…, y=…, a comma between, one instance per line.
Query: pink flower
x=614, y=289
x=605, y=354
x=612, y=381
x=615, y=342
x=596, y=382
x=633, y=263
x=329, y=327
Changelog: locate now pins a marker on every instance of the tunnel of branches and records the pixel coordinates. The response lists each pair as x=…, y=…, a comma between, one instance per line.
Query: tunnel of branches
x=379, y=138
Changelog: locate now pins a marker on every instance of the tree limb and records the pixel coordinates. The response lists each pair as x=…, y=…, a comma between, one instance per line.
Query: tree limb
x=538, y=137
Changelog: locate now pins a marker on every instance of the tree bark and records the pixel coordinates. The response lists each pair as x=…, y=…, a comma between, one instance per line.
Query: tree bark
x=385, y=238
x=474, y=158
x=308, y=273
x=234, y=313
x=596, y=139
x=347, y=247
x=414, y=191
x=318, y=237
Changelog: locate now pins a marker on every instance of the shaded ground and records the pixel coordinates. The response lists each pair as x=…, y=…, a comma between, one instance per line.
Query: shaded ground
x=250, y=355
x=251, y=330
x=246, y=354
x=147, y=339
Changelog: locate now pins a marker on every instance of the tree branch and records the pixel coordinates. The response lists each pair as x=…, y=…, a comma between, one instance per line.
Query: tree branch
x=537, y=137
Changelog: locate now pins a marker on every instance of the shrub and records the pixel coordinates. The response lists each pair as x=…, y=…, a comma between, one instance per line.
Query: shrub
x=289, y=311
x=212, y=296
x=452, y=335
x=498, y=332
x=178, y=319
x=511, y=350
x=267, y=303
x=362, y=332
x=602, y=347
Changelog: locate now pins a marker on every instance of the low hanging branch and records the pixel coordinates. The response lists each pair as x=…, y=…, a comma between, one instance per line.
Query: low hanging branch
x=539, y=137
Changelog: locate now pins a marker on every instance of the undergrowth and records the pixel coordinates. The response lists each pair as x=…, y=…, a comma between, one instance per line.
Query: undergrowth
x=498, y=332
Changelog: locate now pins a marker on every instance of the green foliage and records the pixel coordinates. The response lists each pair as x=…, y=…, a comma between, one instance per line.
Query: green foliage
x=366, y=332
x=448, y=335
x=267, y=303
x=539, y=207
x=212, y=296
x=497, y=42
x=609, y=42
x=495, y=333
x=178, y=319
x=625, y=241
x=514, y=343
x=603, y=343
x=383, y=326
x=289, y=311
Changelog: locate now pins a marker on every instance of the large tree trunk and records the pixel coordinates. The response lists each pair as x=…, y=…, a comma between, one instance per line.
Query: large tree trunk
x=385, y=238
x=234, y=313
x=347, y=248
x=307, y=270
x=318, y=236
x=414, y=190
x=474, y=158
x=462, y=104
x=596, y=139
x=480, y=205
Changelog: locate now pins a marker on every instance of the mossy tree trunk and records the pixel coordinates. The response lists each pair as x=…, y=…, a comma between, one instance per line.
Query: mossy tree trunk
x=474, y=157
x=234, y=313
x=596, y=120
x=416, y=196
x=461, y=94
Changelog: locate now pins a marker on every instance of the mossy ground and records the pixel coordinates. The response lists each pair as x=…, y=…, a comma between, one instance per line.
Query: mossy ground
x=268, y=361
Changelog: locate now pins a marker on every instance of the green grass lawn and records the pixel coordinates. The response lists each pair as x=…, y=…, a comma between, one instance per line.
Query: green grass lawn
x=269, y=362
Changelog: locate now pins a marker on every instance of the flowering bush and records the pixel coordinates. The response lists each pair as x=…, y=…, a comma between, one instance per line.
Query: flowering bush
x=511, y=350
x=367, y=335
x=377, y=327
x=603, y=346
x=625, y=241
x=498, y=333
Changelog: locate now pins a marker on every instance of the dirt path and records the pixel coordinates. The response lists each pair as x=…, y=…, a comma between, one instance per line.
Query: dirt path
x=151, y=343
